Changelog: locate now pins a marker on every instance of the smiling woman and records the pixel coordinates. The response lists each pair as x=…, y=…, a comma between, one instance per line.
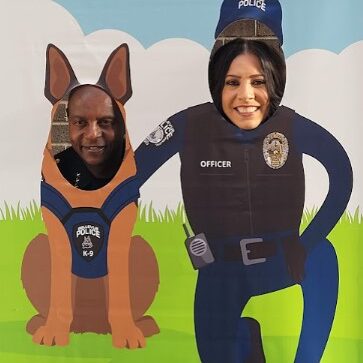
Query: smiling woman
x=247, y=81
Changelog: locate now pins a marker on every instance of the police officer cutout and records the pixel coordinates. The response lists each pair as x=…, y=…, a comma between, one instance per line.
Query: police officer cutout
x=250, y=210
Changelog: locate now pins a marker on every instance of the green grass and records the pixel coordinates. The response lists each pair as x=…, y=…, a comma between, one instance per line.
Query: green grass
x=279, y=313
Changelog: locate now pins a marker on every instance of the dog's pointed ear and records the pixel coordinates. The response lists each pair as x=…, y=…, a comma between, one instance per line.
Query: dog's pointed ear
x=59, y=75
x=115, y=76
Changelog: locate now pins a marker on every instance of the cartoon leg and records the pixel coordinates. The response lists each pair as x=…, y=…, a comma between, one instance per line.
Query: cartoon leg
x=249, y=342
x=35, y=275
x=144, y=283
x=320, y=291
x=222, y=335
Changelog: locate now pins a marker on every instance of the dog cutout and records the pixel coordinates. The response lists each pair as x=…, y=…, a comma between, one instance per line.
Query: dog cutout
x=88, y=274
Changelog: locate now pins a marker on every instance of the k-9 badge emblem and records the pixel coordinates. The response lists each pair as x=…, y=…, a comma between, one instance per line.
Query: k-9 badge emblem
x=162, y=133
x=88, y=240
x=275, y=150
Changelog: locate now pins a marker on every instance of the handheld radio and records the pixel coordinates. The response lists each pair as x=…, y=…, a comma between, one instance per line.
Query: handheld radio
x=198, y=249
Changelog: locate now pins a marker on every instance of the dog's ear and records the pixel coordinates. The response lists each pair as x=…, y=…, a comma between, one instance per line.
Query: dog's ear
x=59, y=75
x=115, y=76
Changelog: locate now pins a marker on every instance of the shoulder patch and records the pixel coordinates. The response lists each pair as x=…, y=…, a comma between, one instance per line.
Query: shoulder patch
x=275, y=150
x=162, y=133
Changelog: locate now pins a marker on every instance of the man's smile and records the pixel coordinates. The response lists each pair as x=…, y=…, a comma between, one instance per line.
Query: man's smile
x=93, y=148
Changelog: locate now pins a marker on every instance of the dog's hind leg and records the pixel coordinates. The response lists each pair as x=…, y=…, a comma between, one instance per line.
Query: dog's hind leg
x=147, y=325
x=35, y=275
x=144, y=283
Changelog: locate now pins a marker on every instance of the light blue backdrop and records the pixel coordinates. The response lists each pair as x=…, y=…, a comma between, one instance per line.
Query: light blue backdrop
x=304, y=20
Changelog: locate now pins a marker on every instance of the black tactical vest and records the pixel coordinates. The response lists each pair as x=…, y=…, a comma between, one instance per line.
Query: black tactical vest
x=237, y=182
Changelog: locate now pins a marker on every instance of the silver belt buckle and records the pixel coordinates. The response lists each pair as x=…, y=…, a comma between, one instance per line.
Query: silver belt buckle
x=246, y=260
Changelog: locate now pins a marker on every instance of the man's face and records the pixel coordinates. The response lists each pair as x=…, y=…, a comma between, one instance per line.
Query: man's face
x=94, y=132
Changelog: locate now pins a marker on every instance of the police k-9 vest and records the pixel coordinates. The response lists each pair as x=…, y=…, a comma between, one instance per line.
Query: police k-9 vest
x=88, y=227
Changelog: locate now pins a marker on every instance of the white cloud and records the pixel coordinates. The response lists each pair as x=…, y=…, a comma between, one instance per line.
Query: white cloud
x=166, y=78
x=327, y=88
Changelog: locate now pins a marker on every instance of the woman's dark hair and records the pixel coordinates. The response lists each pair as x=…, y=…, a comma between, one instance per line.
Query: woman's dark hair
x=272, y=63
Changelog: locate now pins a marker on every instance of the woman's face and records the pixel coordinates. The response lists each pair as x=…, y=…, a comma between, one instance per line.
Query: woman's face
x=245, y=100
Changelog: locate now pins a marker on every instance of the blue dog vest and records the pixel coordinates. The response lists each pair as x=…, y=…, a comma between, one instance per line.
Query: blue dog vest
x=87, y=227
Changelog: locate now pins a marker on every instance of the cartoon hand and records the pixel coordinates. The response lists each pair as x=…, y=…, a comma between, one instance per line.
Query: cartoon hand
x=127, y=335
x=52, y=334
x=295, y=255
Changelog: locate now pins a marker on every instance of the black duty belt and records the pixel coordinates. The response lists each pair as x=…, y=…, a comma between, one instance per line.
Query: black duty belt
x=250, y=251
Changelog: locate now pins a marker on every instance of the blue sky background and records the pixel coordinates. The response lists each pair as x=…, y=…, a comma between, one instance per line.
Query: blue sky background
x=326, y=24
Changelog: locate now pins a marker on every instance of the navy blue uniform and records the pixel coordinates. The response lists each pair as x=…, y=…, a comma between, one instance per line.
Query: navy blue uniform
x=247, y=184
x=76, y=172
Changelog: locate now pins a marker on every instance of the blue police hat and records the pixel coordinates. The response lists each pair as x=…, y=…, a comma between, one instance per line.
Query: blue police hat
x=267, y=12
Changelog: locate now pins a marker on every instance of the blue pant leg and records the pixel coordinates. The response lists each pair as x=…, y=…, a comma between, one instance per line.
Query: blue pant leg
x=217, y=311
x=320, y=292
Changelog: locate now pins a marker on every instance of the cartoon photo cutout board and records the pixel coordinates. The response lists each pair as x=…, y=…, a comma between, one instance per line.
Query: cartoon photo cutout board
x=88, y=274
x=324, y=52
x=243, y=185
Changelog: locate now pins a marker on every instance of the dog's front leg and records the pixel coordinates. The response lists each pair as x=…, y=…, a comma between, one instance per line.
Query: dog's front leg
x=57, y=326
x=124, y=331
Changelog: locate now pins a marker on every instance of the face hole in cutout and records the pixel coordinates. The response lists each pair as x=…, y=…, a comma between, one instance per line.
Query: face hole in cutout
x=260, y=42
x=88, y=138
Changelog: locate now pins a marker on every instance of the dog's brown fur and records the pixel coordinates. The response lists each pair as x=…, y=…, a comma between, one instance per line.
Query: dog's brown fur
x=111, y=304
x=89, y=296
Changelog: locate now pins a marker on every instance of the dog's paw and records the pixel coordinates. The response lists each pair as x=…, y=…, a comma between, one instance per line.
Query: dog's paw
x=50, y=335
x=127, y=336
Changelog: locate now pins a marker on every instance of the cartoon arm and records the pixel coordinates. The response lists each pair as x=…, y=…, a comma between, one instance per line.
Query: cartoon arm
x=60, y=315
x=124, y=331
x=164, y=142
x=317, y=142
